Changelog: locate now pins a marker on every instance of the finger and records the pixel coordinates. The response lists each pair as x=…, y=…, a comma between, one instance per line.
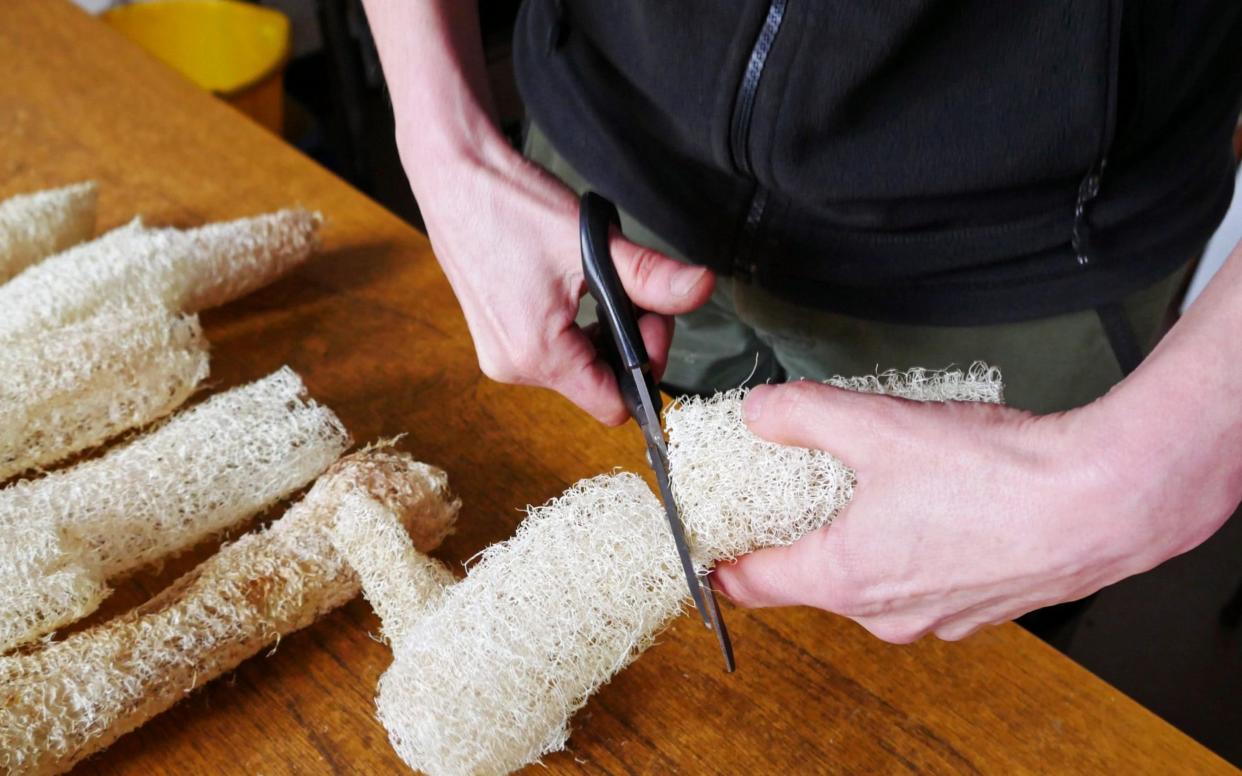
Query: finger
x=768, y=577
x=580, y=376
x=657, y=332
x=658, y=283
x=813, y=415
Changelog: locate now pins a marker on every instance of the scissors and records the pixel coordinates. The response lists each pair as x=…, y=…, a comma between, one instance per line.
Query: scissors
x=622, y=348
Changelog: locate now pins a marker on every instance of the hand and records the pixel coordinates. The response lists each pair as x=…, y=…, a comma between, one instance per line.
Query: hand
x=970, y=514
x=506, y=233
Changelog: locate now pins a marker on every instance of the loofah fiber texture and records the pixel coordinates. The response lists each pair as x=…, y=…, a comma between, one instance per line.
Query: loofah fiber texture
x=203, y=471
x=75, y=697
x=44, y=586
x=725, y=475
x=397, y=579
x=486, y=678
x=77, y=386
x=33, y=226
x=186, y=271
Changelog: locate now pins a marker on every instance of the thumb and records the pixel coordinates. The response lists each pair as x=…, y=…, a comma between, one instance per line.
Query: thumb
x=767, y=577
x=658, y=283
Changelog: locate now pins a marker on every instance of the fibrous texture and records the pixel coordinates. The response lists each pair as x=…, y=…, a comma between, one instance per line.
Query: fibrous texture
x=398, y=579
x=74, y=387
x=44, y=583
x=77, y=696
x=36, y=225
x=726, y=475
x=185, y=271
x=486, y=678
x=200, y=473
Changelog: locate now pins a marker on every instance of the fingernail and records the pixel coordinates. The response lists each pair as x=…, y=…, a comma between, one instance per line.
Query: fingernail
x=684, y=281
x=752, y=405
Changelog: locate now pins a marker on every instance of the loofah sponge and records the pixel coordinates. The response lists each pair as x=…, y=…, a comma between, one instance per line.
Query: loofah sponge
x=75, y=697
x=201, y=472
x=77, y=386
x=186, y=271
x=36, y=225
x=725, y=475
x=398, y=580
x=44, y=584
x=486, y=679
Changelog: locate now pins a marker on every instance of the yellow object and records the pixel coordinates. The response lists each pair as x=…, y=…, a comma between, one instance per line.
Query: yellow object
x=235, y=50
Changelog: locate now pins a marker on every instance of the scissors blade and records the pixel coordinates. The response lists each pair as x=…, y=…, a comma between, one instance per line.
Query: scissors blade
x=703, y=594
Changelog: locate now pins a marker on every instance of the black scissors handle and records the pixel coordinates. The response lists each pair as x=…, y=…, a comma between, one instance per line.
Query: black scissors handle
x=623, y=346
x=625, y=353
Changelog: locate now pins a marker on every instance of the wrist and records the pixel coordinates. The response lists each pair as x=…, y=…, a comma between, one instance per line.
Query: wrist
x=443, y=153
x=1174, y=453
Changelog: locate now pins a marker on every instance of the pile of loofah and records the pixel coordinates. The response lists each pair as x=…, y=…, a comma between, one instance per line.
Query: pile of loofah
x=488, y=672
x=185, y=271
x=100, y=337
x=202, y=472
x=75, y=697
x=77, y=386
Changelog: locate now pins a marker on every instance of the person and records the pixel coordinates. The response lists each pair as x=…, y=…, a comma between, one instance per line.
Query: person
x=829, y=188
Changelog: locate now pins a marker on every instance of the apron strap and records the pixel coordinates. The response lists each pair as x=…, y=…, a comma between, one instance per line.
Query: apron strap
x=1121, y=337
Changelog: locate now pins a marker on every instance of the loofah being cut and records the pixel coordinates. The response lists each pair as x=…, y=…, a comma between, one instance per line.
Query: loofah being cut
x=33, y=226
x=202, y=472
x=77, y=386
x=486, y=678
x=185, y=271
x=75, y=697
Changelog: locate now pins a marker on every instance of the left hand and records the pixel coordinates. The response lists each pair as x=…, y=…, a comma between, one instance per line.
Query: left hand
x=966, y=514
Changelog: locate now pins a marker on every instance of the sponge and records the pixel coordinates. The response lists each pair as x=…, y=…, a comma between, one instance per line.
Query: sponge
x=77, y=386
x=36, y=225
x=486, y=679
x=45, y=586
x=75, y=697
x=203, y=471
x=186, y=271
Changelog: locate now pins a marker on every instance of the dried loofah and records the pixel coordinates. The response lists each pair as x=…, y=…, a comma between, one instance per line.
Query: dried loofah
x=979, y=382
x=186, y=271
x=198, y=474
x=398, y=580
x=75, y=697
x=36, y=225
x=486, y=679
x=44, y=585
x=725, y=475
x=74, y=387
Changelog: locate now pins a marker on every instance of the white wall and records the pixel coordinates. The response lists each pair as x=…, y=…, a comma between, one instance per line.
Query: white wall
x=1226, y=238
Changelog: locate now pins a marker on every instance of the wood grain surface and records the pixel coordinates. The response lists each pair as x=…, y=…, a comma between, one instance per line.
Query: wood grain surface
x=372, y=326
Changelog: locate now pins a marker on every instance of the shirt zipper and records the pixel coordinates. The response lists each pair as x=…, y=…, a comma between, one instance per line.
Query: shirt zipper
x=1089, y=186
x=739, y=133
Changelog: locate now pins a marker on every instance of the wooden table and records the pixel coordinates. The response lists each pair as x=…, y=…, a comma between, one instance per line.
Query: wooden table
x=372, y=326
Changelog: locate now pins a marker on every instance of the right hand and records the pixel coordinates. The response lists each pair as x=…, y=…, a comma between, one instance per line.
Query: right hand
x=506, y=233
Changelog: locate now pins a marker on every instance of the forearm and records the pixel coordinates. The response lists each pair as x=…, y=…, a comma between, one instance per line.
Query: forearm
x=1179, y=418
x=433, y=61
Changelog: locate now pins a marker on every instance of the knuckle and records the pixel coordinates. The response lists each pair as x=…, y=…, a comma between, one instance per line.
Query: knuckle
x=644, y=266
x=897, y=632
x=496, y=369
x=955, y=632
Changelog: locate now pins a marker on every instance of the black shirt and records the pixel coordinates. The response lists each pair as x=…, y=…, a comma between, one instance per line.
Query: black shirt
x=932, y=161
